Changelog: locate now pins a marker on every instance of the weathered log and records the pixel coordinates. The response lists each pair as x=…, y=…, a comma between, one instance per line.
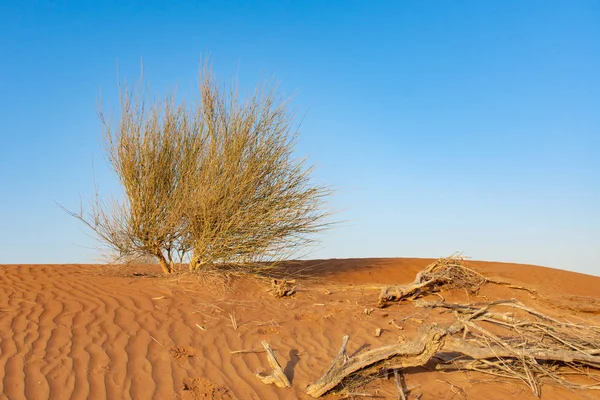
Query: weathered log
x=405, y=355
x=278, y=377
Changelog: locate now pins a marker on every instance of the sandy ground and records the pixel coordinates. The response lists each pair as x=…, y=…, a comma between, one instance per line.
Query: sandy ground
x=91, y=332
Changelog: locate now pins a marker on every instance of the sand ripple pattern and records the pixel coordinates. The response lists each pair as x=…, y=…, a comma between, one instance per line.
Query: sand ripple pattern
x=75, y=332
x=68, y=332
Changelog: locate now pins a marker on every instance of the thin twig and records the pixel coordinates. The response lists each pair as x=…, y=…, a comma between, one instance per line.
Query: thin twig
x=247, y=351
x=152, y=337
x=401, y=394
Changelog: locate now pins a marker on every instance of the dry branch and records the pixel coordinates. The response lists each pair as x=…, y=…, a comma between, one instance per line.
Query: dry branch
x=476, y=352
x=406, y=355
x=399, y=386
x=247, y=351
x=342, y=355
x=448, y=272
x=529, y=346
x=277, y=377
x=526, y=345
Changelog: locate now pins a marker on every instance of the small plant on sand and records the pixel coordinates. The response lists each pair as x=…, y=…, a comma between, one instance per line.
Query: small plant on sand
x=214, y=184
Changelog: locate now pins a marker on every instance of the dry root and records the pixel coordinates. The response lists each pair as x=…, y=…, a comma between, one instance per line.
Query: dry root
x=450, y=273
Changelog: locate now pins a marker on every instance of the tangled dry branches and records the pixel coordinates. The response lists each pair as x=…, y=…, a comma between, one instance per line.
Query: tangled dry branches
x=531, y=347
x=503, y=338
x=449, y=273
x=506, y=338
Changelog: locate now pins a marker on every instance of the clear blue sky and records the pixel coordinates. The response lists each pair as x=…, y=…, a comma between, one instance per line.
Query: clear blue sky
x=466, y=125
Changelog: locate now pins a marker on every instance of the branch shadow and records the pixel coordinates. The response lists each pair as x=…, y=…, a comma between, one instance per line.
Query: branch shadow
x=361, y=348
x=294, y=358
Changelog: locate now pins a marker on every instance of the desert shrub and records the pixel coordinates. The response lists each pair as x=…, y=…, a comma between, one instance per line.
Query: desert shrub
x=251, y=199
x=151, y=149
x=216, y=183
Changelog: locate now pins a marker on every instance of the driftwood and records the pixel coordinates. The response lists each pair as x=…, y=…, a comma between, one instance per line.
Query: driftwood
x=448, y=272
x=405, y=355
x=526, y=345
x=277, y=377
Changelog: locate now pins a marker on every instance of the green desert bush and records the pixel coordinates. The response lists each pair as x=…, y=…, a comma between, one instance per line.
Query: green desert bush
x=214, y=183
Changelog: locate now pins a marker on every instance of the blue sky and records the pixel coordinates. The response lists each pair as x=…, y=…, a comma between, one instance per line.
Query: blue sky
x=445, y=126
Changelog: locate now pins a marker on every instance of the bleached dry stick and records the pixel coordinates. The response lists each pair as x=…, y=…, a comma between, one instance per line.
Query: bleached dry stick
x=247, y=351
x=277, y=377
x=341, y=357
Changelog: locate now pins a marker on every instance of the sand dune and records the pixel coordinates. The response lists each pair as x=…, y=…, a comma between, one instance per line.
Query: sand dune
x=88, y=332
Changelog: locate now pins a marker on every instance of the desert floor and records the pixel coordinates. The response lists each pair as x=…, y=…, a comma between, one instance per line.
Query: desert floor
x=94, y=332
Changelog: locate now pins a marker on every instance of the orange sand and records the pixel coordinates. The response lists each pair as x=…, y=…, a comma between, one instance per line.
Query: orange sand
x=90, y=332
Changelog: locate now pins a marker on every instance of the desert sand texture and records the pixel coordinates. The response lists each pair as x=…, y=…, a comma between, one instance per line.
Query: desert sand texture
x=97, y=332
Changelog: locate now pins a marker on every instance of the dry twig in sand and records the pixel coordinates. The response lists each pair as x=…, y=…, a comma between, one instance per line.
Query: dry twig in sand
x=233, y=321
x=247, y=351
x=277, y=377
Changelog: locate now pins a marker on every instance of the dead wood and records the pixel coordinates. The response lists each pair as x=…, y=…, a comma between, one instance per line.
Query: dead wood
x=405, y=355
x=450, y=273
x=504, y=338
x=455, y=389
x=248, y=351
x=525, y=344
x=399, y=385
x=278, y=377
x=351, y=395
x=283, y=288
x=475, y=351
x=342, y=355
